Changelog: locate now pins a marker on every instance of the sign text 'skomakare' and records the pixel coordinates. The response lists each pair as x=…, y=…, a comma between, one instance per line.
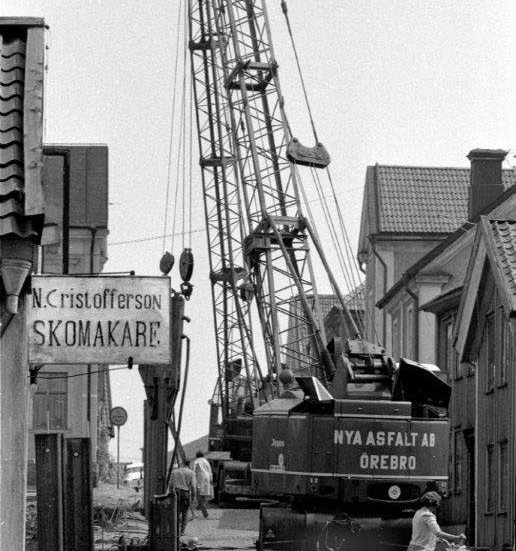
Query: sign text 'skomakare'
x=99, y=319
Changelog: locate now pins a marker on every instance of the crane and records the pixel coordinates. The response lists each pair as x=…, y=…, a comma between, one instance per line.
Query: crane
x=260, y=246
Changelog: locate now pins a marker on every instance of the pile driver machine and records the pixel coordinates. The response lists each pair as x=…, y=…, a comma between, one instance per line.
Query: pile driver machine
x=344, y=439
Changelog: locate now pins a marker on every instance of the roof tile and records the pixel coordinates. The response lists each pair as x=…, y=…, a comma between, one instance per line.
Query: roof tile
x=20, y=136
x=504, y=237
x=425, y=199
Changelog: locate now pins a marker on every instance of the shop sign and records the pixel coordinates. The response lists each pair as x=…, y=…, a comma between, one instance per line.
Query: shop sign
x=99, y=320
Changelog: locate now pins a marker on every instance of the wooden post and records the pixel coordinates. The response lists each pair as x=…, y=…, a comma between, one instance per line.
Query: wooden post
x=78, y=516
x=49, y=480
x=146, y=459
x=161, y=387
x=118, y=457
x=155, y=442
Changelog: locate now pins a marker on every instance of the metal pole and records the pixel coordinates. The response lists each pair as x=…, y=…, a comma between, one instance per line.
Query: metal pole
x=118, y=458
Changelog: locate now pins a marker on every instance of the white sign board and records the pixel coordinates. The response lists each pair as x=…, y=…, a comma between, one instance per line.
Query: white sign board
x=99, y=320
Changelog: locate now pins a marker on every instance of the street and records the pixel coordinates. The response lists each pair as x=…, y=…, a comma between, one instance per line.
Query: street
x=117, y=515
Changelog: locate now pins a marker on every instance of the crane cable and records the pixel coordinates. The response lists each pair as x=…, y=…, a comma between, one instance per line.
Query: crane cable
x=169, y=163
x=181, y=147
x=346, y=259
x=349, y=275
x=284, y=8
x=321, y=195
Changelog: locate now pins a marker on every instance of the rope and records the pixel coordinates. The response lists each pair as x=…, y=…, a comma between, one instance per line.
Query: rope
x=349, y=275
x=285, y=12
x=185, y=103
x=345, y=258
x=180, y=150
x=351, y=258
x=169, y=163
x=190, y=165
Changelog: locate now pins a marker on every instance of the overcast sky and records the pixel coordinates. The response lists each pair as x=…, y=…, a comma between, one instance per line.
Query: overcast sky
x=399, y=82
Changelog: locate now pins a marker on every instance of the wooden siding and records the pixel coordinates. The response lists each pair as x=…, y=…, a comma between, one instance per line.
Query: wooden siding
x=495, y=490
x=459, y=508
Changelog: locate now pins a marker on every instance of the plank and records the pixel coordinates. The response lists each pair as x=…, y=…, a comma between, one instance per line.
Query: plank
x=33, y=121
x=49, y=491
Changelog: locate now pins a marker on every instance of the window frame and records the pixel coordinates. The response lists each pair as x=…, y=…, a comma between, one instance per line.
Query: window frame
x=489, y=352
x=458, y=461
x=41, y=394
x=489, y=485
x=505, y=351
x=503, y=496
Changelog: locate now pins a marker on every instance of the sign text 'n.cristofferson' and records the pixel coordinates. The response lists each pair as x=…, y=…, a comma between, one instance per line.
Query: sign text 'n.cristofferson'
x=101, y=319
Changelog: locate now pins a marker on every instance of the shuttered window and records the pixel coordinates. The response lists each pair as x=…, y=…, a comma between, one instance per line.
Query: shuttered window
x=490, y=352
x=50, y=405
x=503, y=476
x=458, y=461
x=490, y=487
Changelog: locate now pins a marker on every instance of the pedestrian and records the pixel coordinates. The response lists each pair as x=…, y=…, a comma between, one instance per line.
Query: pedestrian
x=204, y=479
x=183, y=482
x=425, y=530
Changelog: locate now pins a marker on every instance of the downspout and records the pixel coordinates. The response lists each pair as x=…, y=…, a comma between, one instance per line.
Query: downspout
x=92, y=268
x=384, y=266
x=415, y=298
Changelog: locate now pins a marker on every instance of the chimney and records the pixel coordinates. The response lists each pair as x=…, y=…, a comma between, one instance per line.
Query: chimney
x=486, y=179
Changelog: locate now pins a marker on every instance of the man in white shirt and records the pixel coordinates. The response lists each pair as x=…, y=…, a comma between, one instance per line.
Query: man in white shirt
x=425, y=530
x=204, y=479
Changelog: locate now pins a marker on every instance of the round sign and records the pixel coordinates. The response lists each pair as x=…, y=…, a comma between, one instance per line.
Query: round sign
x=118, y=416
x=394, y=492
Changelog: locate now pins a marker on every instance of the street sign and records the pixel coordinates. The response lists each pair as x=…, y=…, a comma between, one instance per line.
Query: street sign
x=118, y=416
x=99, y=320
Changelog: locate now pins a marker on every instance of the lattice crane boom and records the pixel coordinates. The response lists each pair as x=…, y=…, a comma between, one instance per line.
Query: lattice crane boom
x=251, y=187
x=222, y=204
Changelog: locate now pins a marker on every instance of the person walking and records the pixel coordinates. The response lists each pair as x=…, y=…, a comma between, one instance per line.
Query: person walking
x=204, y=479
x=182, y=481
x=425, y=530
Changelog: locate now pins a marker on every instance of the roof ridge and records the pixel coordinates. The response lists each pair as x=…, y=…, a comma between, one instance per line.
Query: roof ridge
x=427, y=167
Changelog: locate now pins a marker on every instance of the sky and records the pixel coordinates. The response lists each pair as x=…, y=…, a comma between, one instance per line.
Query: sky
x=402, y=82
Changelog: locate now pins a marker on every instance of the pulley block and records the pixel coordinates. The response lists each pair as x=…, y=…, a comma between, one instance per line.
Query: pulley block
x=299, y=154
x=186, y=264
x=166, y=263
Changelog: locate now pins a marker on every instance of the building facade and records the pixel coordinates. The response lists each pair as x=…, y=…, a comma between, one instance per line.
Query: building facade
x=73, y=399
x=455, y=307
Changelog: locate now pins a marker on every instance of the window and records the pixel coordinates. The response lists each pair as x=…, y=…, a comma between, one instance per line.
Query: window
x=459, y=370
x=503, y=475
x=396, y=341
x=50, y=405
x=505, y=352
x=490, y=479
x=408, y=345
x=458, y=461
x=490, y=352
x=449, y=353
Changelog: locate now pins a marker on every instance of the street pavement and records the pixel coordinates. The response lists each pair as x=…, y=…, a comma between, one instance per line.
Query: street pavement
x=224, y=529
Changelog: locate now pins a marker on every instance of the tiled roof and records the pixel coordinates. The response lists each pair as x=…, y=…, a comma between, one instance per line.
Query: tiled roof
x=424, y=199
x=21, y=102
x=503, y=233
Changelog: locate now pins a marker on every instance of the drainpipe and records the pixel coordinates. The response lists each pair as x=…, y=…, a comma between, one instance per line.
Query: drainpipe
x=92, y=271
x=384, y=266
x=415, y=298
